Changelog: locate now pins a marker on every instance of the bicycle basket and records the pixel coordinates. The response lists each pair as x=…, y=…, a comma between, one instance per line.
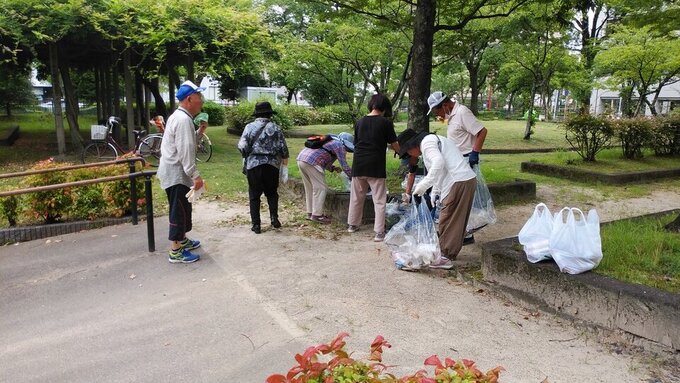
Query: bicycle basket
x=99, y=132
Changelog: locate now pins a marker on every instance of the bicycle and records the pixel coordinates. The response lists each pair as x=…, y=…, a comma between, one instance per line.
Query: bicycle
x=204, y=148
x=105, y=148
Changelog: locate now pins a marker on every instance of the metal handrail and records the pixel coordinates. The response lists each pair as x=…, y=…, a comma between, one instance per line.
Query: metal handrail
x=72, y=167
x=132, y=176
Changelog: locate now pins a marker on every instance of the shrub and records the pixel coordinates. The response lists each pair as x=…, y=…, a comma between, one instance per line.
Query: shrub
x=51, y=205
x=665, y=133
x=9, y=207
x=341, y=113
x=341, y=367
x=215, y=111
x=299, y=115
x=81, y=202
x=634, y=134
x=588, y=135
x=238, y=116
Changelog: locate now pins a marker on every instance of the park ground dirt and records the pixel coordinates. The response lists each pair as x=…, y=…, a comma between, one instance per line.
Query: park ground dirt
x=319, y=280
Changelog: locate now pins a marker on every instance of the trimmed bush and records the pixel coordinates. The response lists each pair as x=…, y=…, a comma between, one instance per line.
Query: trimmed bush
x=9, y=208
x=215, y=112
x=588, y=135
x=634, y=134
x=110, y=199
x=665, y=136
x=341, y=114
x=238, y=116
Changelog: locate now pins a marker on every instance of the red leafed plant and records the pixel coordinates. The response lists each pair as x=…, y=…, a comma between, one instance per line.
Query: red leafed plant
x=330, y=363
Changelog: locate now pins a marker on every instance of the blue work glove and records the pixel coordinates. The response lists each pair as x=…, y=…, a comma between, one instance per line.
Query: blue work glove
x=473, y=157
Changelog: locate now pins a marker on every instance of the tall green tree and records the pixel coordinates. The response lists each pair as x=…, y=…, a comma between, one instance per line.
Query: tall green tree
x=640, y=63
x=15, y=89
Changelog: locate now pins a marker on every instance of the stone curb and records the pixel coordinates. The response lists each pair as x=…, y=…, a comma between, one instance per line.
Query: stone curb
x=645, y=313
x=9, y=135
x=30, y=233
x=607, y=178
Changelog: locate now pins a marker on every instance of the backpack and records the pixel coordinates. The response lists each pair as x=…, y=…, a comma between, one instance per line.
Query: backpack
x=317, y=142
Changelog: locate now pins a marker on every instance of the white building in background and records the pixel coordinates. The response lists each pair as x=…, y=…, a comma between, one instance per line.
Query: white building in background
x=609, y=101
x=41, y=89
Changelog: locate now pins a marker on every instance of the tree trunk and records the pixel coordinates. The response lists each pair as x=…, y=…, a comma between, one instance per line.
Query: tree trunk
x=98, y=91
x=114, y=85
x=530, y=114
x=173, y=82
x=56, y=98
x=674, y=226
x=421, y=69
x=474, y=87
x=190, y=69
x=139, y=100
x=71, y=105
x=154, y=87
x=129, y=95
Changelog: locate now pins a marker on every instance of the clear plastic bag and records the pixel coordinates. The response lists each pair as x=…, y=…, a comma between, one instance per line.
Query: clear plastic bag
x=535, y=234
x=346, y=182
x=483, y=212
x=283, y=174
x=413, y=241
x=575, y=244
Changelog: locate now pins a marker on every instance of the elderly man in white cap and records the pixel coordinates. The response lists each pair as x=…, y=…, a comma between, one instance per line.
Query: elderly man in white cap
x=464, y=129
x=177, y=171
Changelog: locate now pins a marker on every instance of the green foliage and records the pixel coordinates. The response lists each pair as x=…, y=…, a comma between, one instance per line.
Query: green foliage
x=340, y=367
x=15, y=89
x=641, y=251
x=82, y=202
x=666, y=135
x=215, y=112
x=9, y=208
x=338, y=114
x=49, y=206
x=633, y=134
x=287, y=116
x=588, y=135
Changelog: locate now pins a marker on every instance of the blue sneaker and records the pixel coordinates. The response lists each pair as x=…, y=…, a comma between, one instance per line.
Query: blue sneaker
x=190, y=244
x=182, y=256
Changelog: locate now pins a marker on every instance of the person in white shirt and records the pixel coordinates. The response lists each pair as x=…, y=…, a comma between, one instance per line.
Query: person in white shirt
x=177, y=171
x=452, y=181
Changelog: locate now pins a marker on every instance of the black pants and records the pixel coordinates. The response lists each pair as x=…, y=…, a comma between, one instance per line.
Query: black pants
x=180, y=212
x=263, y=179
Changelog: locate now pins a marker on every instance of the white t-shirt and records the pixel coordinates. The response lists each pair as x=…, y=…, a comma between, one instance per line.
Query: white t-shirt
x=463, y=127
x=445, y=165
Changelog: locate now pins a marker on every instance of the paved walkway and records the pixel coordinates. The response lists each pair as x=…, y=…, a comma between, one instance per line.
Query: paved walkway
x=95, y=306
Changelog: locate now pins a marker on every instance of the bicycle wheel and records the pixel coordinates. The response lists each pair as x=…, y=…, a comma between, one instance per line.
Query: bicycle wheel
x=150, y=149
x=99, y=152
x=203, y=148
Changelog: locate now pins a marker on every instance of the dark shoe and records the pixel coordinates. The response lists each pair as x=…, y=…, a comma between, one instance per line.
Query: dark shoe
x=256, y=229
x=469, y=240
x=276, y=223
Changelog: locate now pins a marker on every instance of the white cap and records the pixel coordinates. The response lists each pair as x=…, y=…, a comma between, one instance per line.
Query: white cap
x=435, y=99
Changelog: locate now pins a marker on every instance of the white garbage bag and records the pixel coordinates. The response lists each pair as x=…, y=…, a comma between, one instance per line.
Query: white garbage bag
x=535, y=234
x=483, y=212
x=575, y=244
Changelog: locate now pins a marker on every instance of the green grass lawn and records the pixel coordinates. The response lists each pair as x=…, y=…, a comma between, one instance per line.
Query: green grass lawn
x=609, y=161
x=640, y=251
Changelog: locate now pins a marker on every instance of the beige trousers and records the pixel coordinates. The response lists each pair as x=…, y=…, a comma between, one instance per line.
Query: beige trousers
x=454, y=216
x=357, y=197
x=315, y=188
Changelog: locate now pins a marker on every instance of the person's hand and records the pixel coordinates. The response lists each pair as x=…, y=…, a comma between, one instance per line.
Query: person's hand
x=198, y=183
x=434, y=198
x=337, y=169
x=473, y=157
x=405, y=198
x=420, y=189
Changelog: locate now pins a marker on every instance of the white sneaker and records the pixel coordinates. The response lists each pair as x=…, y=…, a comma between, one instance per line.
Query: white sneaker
x=443, y=263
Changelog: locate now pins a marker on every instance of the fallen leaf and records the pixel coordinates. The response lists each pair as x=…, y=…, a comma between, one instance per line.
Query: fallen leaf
x=545, y=380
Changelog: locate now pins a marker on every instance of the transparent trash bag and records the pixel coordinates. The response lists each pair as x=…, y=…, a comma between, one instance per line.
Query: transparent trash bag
x=283, y=174
x=575, y=244
x=346, y=182
x=483, y=212
x=535, y=234
x=413, y=241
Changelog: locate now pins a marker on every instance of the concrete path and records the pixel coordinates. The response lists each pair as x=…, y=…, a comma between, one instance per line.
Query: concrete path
x=97, y=307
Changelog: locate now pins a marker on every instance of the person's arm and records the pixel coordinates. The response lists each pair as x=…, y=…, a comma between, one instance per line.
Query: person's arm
x=243, y=141
x=431, y=151
x=185, y=141
x=479, y=140
x=341, y=154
